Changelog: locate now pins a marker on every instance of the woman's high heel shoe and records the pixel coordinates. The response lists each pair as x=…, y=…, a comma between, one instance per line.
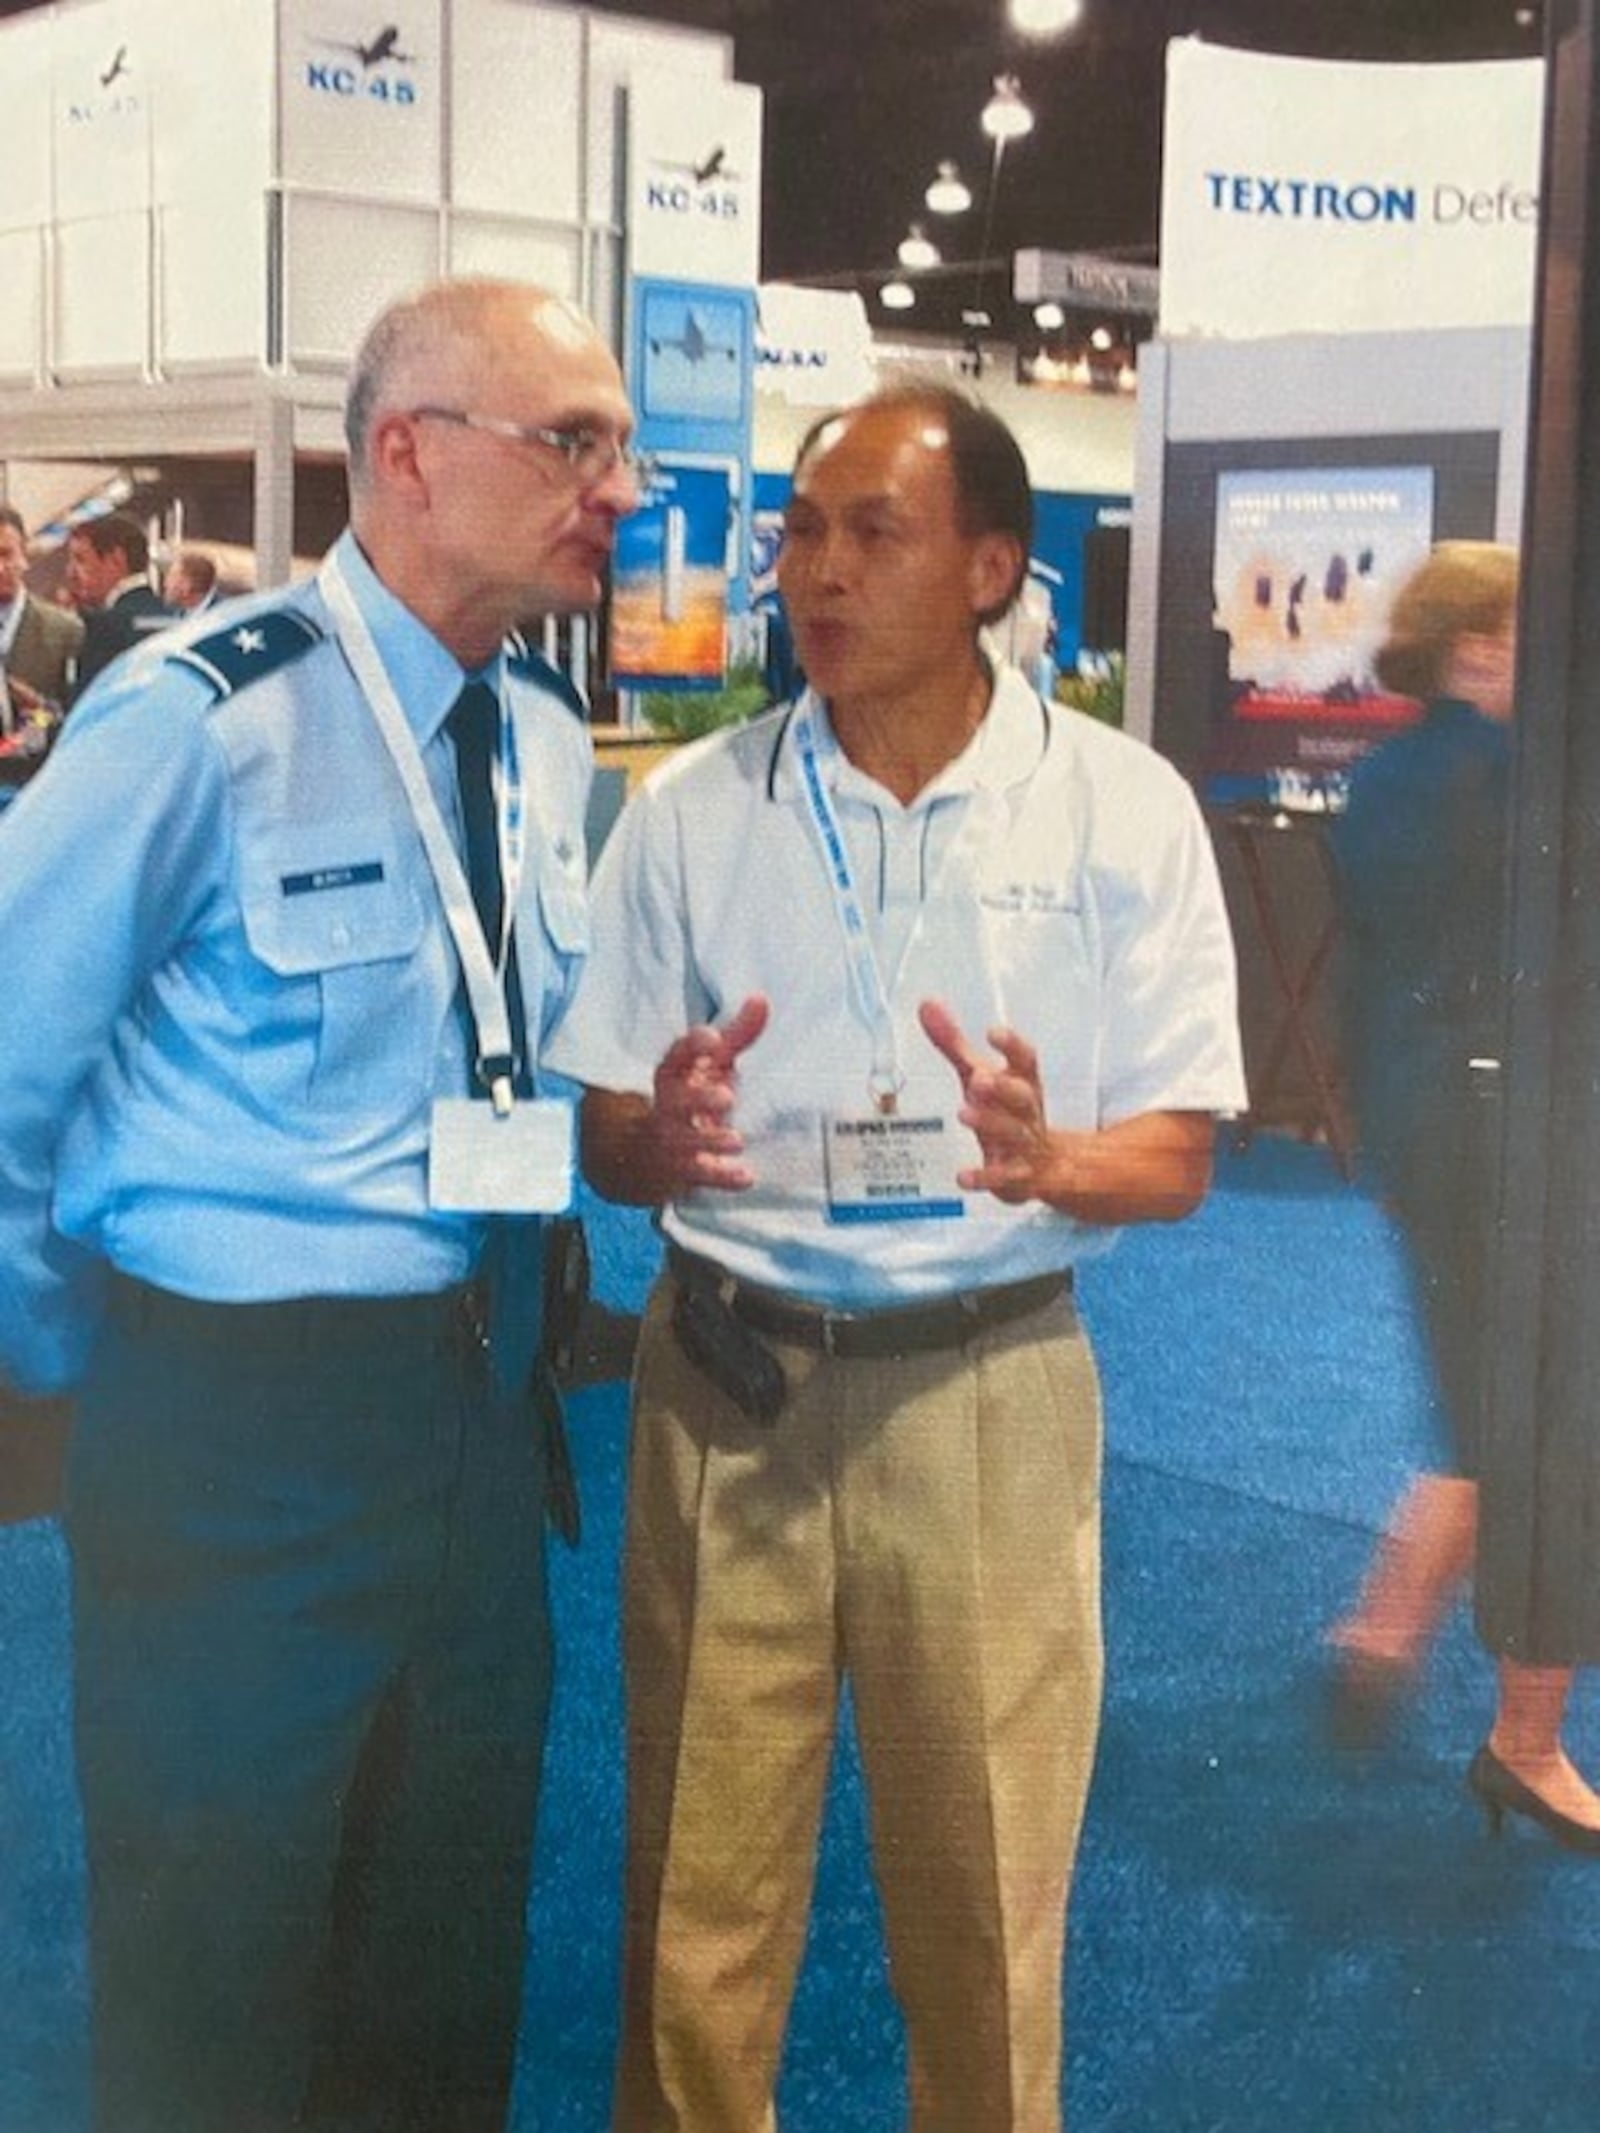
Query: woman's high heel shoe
x=1501, y=1792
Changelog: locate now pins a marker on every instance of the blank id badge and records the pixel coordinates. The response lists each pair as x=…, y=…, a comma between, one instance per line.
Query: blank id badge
x=884, y=1168
x=480, y=1163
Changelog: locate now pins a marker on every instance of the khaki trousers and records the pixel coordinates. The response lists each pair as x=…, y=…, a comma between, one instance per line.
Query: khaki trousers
x=929, y=1526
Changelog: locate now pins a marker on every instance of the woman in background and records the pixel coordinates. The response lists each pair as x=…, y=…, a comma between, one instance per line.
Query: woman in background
x=1421, y=859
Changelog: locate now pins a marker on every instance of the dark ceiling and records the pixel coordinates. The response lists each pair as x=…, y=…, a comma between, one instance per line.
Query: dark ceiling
x=863, y=97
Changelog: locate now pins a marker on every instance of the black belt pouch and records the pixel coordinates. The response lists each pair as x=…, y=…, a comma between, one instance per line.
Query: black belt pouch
x=730, y=1353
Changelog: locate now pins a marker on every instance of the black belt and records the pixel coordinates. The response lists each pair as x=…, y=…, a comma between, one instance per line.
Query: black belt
x=900, y=1329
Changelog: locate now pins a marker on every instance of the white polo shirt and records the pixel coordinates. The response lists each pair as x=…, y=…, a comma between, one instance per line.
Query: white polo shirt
x=1057, y=878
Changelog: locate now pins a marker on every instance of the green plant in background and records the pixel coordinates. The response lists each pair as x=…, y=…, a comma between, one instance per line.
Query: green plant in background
x=686, y=714
x=1097, y=687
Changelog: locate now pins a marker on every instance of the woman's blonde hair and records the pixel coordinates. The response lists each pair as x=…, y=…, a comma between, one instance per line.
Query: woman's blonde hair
x=1464, y=589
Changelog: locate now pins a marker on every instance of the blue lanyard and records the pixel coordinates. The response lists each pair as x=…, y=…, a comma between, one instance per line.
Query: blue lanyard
x=885, y=1079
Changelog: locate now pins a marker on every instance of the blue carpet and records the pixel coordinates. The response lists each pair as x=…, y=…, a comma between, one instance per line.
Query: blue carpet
x=1266, y=1938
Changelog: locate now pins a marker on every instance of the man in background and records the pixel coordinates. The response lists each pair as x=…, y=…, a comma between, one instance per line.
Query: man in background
x=286, y=920
x=39, y=644
x=108, y=578
x=190, y=583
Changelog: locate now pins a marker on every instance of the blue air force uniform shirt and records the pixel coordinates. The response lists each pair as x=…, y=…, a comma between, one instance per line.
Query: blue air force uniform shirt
x=230, y=993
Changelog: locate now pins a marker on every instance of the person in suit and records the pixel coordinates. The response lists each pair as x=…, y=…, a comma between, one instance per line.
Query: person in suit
x=39, y=644
x=108, y=576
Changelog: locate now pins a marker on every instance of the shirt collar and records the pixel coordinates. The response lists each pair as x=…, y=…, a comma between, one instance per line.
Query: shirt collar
x=427, y=678
x=1006, y=749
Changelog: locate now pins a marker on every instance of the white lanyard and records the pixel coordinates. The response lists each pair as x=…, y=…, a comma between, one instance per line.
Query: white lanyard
x=484, y=974
x=885, y=1079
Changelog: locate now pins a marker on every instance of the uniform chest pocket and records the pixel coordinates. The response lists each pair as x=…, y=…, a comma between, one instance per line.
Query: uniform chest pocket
x=563, y=918
x=336, y=918
x=328, y=896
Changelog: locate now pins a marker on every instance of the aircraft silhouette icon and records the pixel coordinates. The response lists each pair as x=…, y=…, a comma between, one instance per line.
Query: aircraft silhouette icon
x=382, y=47
x=118, y=66
x=715, y=165
x=693, y=341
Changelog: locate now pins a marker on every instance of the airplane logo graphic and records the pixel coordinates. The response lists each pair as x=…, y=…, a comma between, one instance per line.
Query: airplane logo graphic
x=715, y=165
x=694, y=342
x=118, y=66
x=382, y=47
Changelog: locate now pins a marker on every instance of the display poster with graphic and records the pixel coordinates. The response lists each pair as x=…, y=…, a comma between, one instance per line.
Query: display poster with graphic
x=693, y=228
x=694, y=347
x=691, y=369
x=669, y=584
x=1306, y=565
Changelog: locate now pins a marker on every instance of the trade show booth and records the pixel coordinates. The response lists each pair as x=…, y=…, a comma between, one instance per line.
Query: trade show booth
x=208, y=200
x=1340, y=380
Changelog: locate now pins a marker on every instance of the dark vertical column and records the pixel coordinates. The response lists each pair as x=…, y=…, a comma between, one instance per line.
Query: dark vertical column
x=1539, y=1564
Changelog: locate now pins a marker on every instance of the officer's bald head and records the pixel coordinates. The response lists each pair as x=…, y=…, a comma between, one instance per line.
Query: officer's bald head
x=432, y=346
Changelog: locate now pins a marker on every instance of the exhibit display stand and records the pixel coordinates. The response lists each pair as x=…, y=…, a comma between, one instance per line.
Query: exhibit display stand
x=208, y=200
x=1340, y=380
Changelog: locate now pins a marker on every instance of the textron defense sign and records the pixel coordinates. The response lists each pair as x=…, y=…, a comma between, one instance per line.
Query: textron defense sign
x=1318, y=196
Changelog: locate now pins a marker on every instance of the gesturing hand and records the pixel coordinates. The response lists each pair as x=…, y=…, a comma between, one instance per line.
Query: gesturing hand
x=695, y=1085
x=1003, y=1103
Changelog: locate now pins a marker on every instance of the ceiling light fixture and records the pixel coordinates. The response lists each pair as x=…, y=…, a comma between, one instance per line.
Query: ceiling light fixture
x=1005, y=116
x=1048, y=317
x=917, y=249
x=1045, y=18
x=897, y=295
x=948, y=194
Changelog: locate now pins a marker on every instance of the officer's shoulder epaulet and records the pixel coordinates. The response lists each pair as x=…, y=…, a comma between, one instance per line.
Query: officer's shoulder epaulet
x=249, y=649
x=533, y=666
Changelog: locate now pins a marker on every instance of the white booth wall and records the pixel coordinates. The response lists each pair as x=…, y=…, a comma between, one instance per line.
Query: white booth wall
x=1074, y=442
x=208, y=200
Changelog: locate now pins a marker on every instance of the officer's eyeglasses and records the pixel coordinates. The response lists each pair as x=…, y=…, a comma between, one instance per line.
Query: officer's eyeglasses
x=589, y=456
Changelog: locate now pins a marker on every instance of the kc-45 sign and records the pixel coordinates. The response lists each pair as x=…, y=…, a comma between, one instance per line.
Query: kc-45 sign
x=360, y=96
x=694, y=180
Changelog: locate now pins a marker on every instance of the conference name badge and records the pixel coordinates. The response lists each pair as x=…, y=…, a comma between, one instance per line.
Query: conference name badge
x=885, y=1168
x=483, y=1163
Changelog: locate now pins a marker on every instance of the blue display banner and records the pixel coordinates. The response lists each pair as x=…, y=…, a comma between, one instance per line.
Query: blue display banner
x=670, y=583
x=691, y=350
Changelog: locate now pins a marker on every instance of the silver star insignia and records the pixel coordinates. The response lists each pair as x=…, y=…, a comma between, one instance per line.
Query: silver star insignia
x=248, y=640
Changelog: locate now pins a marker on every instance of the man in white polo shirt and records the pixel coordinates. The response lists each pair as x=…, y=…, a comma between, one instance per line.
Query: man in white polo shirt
x=904, y=997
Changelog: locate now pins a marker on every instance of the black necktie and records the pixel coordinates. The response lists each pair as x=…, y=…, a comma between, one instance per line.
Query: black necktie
x=510, y=1286
x=475, y=729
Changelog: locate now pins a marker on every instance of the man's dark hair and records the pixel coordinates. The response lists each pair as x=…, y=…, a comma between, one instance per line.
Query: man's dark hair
x=9, y=516
x=116, y=530
x=993, y=493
